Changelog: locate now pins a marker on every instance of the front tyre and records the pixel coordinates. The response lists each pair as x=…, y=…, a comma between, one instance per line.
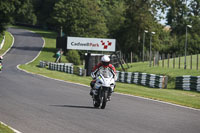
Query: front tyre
x=96, y=102
x=104, y=99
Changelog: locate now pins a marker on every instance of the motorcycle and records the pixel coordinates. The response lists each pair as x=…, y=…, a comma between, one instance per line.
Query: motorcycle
x=104, y=86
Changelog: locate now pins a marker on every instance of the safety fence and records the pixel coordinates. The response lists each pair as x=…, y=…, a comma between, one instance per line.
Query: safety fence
x=150, y=80
x=188, y=82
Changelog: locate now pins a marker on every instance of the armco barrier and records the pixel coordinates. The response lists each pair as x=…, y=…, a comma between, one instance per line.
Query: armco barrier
x=150, y=80
x=188, y=82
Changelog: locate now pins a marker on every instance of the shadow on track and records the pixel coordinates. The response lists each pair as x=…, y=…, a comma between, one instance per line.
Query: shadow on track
x=74, y=106
x=27, y=48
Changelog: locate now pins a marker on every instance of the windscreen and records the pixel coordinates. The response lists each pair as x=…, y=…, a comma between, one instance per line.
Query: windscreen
x=105, y=72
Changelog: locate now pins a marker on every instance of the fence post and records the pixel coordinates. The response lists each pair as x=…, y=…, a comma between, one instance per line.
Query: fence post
x=168, y=60
x=191, y=61
x=158, y=58
x=163, y=61
x=174, y=60
x=179, y=62
x=131, y=57
x=197, y=61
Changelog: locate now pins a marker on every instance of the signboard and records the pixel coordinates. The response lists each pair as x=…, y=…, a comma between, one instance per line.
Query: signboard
x=92, y=44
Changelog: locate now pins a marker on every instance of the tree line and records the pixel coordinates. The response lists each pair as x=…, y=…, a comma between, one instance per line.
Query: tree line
x=124, y=20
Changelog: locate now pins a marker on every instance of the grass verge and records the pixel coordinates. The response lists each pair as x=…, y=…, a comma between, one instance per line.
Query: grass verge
x=7, y=43
x=5, y=129
x=191, y=99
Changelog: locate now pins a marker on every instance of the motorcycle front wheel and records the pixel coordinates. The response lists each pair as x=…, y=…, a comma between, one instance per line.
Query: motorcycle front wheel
x=96, y=102
x=104, y=99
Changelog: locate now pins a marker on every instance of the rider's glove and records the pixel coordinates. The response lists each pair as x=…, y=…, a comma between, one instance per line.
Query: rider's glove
x=93, y=75
x=115, y=77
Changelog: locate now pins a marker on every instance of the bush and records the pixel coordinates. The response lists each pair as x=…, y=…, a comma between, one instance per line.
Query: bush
x=73, y=57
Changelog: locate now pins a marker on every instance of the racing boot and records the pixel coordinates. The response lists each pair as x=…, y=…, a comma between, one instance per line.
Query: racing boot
x=93, y=92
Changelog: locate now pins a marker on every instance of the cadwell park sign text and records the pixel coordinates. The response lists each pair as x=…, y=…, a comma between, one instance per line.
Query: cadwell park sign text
x=91, y=44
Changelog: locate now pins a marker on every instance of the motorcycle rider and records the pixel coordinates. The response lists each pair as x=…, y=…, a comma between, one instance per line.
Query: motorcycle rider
x=1, y=59
x=105, y=62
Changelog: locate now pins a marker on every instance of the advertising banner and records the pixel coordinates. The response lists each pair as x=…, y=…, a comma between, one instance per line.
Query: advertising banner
x=91, y=44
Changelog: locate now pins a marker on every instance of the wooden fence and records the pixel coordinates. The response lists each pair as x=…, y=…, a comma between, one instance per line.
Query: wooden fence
x=167, y=60
x=177, y=61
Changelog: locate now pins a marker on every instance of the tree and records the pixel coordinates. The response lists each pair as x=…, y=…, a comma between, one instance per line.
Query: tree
x=80, y=18
x=24, y=12
x=43, y=10
x=195, y=7
x=140, y=16
x=181, y=14
x=113, y=11
x=16, y=11
x=6, y=8
x=177, y=16
x=73, y=57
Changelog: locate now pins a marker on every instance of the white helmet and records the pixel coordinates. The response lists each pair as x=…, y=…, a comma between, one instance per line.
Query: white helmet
x=105, y=60
x=1, y=57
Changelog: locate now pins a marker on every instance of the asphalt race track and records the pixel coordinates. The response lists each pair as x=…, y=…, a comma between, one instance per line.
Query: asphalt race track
x=35, y=104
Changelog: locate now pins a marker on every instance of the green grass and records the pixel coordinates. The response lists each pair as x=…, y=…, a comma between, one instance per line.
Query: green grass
x=1, y=38
x=191, y=99
x=7, y=43
x=180, y=97
x=190, y=62
x=5, y=129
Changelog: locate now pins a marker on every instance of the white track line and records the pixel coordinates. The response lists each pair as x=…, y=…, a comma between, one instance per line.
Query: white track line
x=2, y=43
x=16, y=131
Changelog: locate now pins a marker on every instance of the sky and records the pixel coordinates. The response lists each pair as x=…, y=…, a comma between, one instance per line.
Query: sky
x=162, y=21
